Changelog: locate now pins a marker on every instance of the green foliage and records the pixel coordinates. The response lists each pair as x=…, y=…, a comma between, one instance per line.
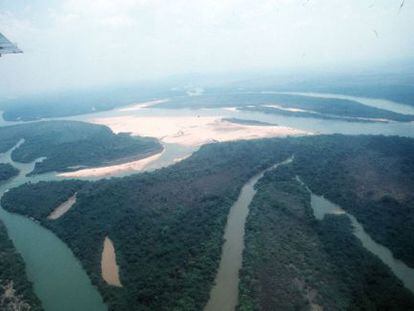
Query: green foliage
x=7, y=171
x=371, y=177
x=325, y=108
x=292, y=262
x=166, y=226
x=70, y=144
x=369, y=283
x=40, y=192
x=12, y=271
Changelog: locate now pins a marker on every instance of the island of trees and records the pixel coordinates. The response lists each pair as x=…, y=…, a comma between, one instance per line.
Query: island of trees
x=7, y=171
x=289, y=105
x=293, y=262
x=167, y=225
x=70, y=145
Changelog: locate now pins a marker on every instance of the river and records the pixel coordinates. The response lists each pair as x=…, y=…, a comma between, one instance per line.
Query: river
x=322, y=207
x=58, y=278
x=225, y=292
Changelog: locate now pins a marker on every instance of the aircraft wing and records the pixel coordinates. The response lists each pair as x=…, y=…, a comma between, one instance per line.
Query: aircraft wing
x=6, y=47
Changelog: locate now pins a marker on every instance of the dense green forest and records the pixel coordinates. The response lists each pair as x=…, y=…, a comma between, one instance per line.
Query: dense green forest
x=372, y=177
x=167, y=225
x=7, y=171
x=68, y=145
x=325, y=108
x=16, y=292
x=293, y=262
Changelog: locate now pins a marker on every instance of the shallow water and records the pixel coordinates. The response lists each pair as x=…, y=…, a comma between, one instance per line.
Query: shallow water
x=225, y=292
x=58, y=277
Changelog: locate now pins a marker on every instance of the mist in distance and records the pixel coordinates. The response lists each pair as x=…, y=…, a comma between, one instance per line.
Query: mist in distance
x=73, y=44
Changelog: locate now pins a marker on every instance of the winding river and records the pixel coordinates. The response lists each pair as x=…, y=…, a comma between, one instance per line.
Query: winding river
x=57, y=276
x=225, y=292
x=322, y=207
x=62, y=284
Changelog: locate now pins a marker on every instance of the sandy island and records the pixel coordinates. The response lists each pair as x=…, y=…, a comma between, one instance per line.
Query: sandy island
x=109, y=268
x=192, y=130
x=62, y=208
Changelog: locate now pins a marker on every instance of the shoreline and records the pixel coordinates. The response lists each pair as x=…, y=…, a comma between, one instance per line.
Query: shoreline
x=114, y=169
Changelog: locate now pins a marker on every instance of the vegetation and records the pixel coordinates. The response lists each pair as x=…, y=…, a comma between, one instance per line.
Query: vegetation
x=371, y=177
x=293, y=262
x=167, y=225
x=68, y=145
x=315, y=107
x=7, y=171
x=16, y=292
x=397, y=87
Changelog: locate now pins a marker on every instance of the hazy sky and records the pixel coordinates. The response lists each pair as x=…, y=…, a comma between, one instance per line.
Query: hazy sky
x=79, y=43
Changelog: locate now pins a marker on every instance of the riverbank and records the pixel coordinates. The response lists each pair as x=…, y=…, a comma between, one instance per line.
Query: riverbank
x=47, y=259
x=293, y=261
x=224, y=294
x=113, y=170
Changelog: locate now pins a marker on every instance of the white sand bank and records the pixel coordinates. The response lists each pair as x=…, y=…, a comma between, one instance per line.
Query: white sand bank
x=192, y=130
x=112, y=170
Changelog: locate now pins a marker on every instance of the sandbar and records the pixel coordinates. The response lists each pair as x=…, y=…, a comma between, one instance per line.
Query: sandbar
x=192, y=130
x=109, y=268
x=112, y=170
x=62, y=208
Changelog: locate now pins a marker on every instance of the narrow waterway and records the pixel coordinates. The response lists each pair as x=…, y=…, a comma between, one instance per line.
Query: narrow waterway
x=49, y=261
x=225, y=292
x=322, y=206
x=57, y=276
